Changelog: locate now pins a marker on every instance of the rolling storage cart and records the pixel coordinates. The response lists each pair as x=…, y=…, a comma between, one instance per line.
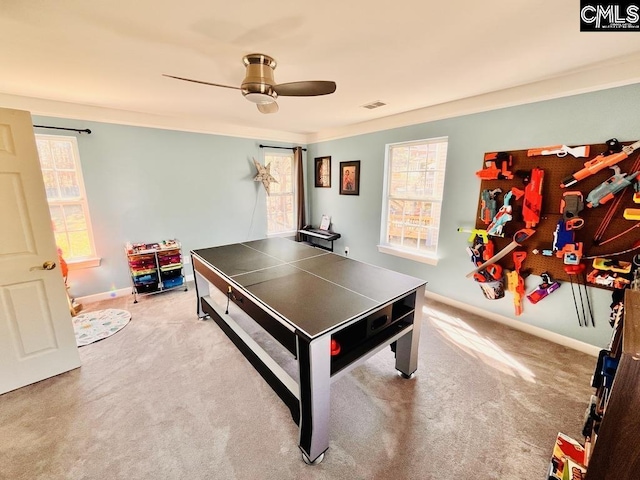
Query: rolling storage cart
x=155, y=267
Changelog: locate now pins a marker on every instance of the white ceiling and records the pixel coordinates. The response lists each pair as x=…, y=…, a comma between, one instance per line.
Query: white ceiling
x=104, y=60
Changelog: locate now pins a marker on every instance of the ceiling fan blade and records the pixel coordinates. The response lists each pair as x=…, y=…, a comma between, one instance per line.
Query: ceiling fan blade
x=200, y=81
x=268, y=107
x=305, y=89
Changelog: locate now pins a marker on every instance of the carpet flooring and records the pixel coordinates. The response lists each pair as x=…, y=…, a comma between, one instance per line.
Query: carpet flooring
x=170, y=397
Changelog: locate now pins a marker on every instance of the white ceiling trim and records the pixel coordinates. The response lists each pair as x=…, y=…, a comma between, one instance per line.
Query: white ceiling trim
x=53, y=108
x=614, y=73
x=621, y=72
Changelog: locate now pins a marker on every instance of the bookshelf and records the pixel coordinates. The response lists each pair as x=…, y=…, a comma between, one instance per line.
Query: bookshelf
x=616, y=449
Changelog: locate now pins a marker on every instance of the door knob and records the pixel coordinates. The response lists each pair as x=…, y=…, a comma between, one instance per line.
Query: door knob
x=45, y=266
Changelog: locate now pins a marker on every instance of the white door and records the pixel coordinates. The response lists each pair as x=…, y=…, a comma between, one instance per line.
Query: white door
x=37, y=340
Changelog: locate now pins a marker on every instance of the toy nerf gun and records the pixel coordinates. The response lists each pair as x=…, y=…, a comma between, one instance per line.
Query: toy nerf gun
x=491, y=170
x=475, y=232
x=519, y=237
x=488, y=205
x=547, y=287
x=533, y=198
x=606, y=279
x=502, y=217
x=562, y=236
x=600, y=162
x=481, y=252
x=571, y=205
x=607, y=189
x=571, y=253
x=515, y=282
x=482, y=249
x=560, y=151
x=617, y=266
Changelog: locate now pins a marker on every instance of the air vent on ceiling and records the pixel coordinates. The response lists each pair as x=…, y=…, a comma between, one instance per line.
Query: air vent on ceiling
x=373, y=105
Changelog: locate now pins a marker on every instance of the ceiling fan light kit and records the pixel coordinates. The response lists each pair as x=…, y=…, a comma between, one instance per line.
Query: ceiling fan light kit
x=260, y=87
x=259, y=97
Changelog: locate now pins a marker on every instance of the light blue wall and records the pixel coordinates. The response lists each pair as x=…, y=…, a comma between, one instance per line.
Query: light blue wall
x=147, y=185
x=582, y=119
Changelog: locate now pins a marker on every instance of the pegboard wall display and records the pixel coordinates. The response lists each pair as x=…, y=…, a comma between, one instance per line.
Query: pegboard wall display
x=580, y=203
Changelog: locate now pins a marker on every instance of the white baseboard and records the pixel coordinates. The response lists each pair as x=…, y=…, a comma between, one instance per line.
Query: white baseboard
x=97, y=297
x=121, y=292
x=537, y=331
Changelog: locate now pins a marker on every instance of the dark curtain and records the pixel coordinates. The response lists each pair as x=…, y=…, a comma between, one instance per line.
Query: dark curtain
x=300, y=207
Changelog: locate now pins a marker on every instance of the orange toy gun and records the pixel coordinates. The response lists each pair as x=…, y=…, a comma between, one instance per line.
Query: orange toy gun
x=560, y=151
x=533, y=198
x=515, y=282
x=600, y=162
x=491, y=170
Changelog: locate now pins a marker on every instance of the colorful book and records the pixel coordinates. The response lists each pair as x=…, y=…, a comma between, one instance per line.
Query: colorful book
x=573, y=470
x=565, y=450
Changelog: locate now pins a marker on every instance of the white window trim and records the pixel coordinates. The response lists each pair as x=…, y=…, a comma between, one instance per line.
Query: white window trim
x=386, y=248
x=284, y=233
x=398, y=252
x=288, y=233
x=79, y=262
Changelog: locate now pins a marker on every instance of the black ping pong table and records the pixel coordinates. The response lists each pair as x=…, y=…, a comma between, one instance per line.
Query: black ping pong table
x=330, y=312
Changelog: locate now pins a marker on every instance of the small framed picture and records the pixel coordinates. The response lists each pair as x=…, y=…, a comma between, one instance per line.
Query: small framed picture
x=350, y=178
x=323, y=172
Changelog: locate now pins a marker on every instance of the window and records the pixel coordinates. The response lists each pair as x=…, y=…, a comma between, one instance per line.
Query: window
x=414, y=185
x=60, y=165
x=281, y=211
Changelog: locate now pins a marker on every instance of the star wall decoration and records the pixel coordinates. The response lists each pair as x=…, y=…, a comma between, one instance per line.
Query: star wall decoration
x=264, y=175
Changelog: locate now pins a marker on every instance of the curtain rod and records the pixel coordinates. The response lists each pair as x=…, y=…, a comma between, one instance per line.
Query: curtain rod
x=284, y=148
x=86, y=130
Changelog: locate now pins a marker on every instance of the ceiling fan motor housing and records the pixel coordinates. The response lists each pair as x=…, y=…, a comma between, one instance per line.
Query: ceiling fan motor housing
x=257, y=86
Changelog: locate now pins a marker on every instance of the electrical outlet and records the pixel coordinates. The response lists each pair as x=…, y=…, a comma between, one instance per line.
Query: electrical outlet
x=346, y=250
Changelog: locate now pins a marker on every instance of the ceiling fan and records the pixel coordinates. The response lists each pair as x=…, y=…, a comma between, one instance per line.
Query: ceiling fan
x=260, y=87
